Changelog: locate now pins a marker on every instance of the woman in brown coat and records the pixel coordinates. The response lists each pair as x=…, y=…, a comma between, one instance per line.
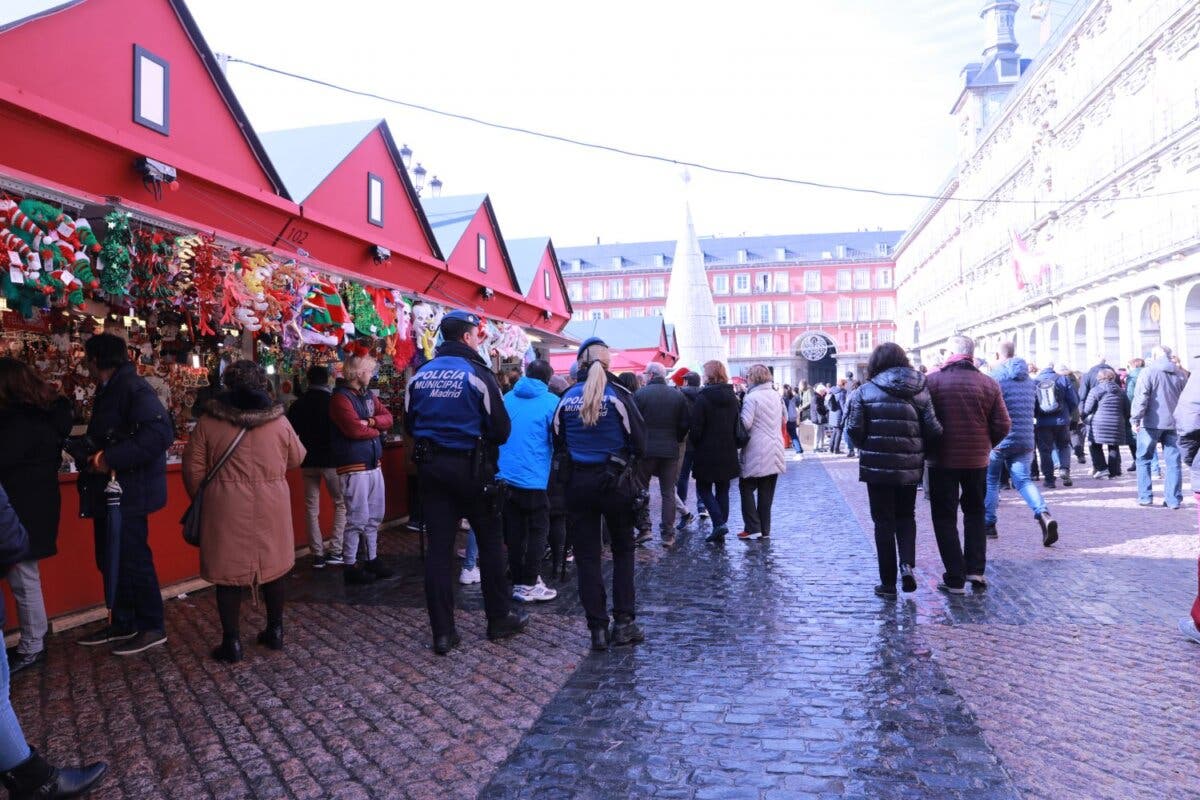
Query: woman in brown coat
x=247, y=537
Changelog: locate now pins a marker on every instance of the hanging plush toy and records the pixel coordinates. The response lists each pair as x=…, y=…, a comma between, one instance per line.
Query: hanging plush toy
x=426, y=318
x=289, y=285
x=403, y=348
x=511, y=343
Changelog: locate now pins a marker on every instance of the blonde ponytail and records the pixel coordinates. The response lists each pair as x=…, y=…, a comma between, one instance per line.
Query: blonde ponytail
x=596, y=357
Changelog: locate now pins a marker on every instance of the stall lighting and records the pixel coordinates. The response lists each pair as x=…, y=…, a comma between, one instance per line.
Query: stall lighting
x=195, y=361
x=3, y=304
x=270, y=369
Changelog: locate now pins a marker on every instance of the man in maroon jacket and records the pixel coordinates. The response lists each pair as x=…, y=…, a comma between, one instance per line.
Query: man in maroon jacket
x=974, y=420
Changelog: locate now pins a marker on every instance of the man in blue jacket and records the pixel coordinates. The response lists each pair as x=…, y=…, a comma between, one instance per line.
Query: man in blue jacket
x=1016, y=451
x=134, y=432
x=525, y=469
x=1055, y=401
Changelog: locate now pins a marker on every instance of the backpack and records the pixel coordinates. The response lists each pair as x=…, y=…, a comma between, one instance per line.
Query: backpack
x=1047, y=396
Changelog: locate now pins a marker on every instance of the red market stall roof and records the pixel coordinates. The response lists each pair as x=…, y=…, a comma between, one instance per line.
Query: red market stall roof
x=355, y=196
x=634, y=342
x=540, y=278
x=125, y=81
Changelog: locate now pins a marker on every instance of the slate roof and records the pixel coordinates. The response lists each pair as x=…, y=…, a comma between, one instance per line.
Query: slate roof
x=526, y=255
x=305, y=157
x=860, y=245
x=633, y=333
x=450, y=216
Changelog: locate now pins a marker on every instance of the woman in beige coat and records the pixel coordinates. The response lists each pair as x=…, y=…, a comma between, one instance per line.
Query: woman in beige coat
x=762, y=458
x=246, y=536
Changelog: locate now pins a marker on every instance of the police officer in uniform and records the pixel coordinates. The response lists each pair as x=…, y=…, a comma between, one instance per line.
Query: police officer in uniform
x=456, y=417
x=598, y=428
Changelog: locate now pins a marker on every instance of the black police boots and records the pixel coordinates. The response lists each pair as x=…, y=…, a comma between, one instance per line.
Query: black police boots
x=509, y=625
x=444, y=643
x=34, y=779
x=600, y=639
x=626, y=632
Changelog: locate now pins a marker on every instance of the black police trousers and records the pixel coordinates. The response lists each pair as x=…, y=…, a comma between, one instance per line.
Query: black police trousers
x=587, y=504
x=448, y=494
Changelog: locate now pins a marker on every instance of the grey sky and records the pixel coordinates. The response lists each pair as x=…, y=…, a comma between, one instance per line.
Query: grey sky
x=844, y=91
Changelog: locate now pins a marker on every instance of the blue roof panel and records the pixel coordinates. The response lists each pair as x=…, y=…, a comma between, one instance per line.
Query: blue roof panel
x=304, y=157
x=450, y=216
x=631, y=333
x=526, y=256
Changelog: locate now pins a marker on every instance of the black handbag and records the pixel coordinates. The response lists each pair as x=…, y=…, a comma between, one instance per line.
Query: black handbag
x=191, y=518
x=741, y=436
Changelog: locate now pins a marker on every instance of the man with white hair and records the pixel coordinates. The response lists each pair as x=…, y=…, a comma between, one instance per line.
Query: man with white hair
x=974, y=420
x=668, y=420
x=1153, y=420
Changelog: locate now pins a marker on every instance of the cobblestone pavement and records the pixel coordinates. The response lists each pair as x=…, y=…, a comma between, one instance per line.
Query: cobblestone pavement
x=770, y=670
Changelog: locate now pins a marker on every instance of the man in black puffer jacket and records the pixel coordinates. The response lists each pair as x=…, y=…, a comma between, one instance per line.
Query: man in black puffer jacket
x=667, y=414
x=890, y=419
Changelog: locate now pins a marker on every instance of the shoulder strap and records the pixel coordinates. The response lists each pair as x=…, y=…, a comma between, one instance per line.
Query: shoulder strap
x=225, y=457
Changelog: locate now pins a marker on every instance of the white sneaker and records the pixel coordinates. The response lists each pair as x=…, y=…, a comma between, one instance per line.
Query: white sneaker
x=521, y=592
x=469, y=576
x=539, y=592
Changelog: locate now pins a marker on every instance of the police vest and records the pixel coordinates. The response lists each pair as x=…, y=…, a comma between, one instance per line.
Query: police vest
x=594, y=444
x=447, y=402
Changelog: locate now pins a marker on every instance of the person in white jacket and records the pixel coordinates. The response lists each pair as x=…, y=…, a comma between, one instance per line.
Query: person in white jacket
x=763, y=416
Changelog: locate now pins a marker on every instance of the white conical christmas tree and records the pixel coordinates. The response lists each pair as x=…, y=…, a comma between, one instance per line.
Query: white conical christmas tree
x=690, y=306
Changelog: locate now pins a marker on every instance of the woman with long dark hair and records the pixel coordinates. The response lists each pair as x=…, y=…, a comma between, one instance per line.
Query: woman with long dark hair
x=35, y=420
x=890, y=420
x=714, y=438
x=599, y=429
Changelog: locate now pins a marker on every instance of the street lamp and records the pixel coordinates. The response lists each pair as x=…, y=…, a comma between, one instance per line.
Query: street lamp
x=405, y=155
x=418, y=176
x=435, y=187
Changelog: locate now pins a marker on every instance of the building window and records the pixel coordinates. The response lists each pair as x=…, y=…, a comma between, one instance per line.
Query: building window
x=741, y=283
x=743, y=317
x=812, y=281
x=546, y=284
x=637, y=288
x=742, y=256
x=883, y=279
x=843, y=280
x=658, y=287
x=885, y=336
x=781, y=254
x=781, y=281
x=596, y=313
x=575, y=290
x=151, y=91
x=864, y=341
x=576, y=315
x=374, y=199
x=845, y=309
x=763, y=282
x=660, y=260
x=722, y=315
x=637, y=311
x=616, y=313
x=781, y=313
x=812, y=310
x=765, y=344
x=862, y=308
x=883, y=308
x=595, y=290
x=883, y=248
x=616, y=262
x=720, y=284
x=764, y=313
x=743, y=344
x=862, y=279
x=656, y=311
x=616, y=289
x=576, y=264
x=481, y=252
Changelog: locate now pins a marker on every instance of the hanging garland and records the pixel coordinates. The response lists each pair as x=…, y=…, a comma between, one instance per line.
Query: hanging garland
x=151, y=285
x=362, y=311
x=116, y=256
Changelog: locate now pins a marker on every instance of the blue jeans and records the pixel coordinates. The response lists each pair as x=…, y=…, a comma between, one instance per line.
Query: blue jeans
x=1147, y=450
x=1018, y=468
x=685, y=475
x=13, y=747
x=139, y=605
x=472, y=551
x=716, y=500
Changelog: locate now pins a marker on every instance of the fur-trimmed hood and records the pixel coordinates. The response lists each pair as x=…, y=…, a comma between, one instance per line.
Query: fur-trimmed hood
x=246, y=409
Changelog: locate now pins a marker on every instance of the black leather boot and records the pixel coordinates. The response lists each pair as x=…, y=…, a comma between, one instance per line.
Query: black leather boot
x=444, y=643
x=377, y=568
x=509, y=625
x=600, y=639
x=230, y=651
x=35, y=779
x=626, y=632
x=357, y=575
x=272, y=637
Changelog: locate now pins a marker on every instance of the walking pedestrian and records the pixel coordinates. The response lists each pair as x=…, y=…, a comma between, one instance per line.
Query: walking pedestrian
x=34, y=422
x=820, y=416
x=837, y=400
x=309, y=416
x=457, y=419
x=1055, y=402
x=599, y=428
x=359, y=422
x=804, y=399
x=1187, y=425
x=762, y=457
x=246, y=533
x=1015, y=452
x=690, y=391
x=1152, y=417
x=789, y=405
x=525, y=473
x=24, y=773
x=892, y=422
x=974, y=420
x=667, y=415
x=714, y=436
x=1135, y=368
x=1107, y=413
x=133, y=432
